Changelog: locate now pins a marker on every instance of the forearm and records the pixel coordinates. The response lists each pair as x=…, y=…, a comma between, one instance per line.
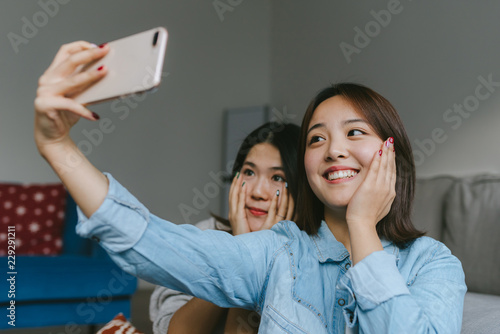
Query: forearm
x=364, y=241
x=86, y=184
x=242, y=321
x=196, y=317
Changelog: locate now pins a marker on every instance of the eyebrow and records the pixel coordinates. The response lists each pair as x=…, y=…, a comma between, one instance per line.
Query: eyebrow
x=251, y=164
x=346, y=122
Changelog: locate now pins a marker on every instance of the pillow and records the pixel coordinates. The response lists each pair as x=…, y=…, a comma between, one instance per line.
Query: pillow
x=119, y=324
x=472, y=230
x=427, y=212
x=37, y=213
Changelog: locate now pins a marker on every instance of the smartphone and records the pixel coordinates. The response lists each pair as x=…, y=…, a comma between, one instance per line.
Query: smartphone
x=134, y=66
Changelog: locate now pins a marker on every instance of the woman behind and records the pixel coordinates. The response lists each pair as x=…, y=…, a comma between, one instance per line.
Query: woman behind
x=352, y=262
x=262, y=193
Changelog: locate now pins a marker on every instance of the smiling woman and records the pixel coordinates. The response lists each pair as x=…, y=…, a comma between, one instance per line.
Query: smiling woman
x=349, y=122
x=352, y=261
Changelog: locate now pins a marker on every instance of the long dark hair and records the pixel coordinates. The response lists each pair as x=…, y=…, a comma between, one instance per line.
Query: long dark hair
x=285, y=137
x=385, y=121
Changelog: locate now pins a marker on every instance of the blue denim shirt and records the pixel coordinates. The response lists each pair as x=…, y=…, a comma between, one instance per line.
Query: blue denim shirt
x=297, y=282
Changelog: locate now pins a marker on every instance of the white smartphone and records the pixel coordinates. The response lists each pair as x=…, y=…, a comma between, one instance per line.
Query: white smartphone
x=134, y=66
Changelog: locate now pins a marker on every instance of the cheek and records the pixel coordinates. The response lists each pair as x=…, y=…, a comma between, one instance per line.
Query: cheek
x=366, y=153
x=309, y=163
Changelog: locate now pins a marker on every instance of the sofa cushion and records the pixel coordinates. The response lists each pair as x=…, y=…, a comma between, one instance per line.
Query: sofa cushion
x=37, y=214
x=472, y=230
x=428, y=204
x=64, y=277
x=481, y=313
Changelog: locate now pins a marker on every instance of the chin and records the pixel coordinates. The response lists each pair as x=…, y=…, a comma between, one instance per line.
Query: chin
x=256, y=224
x=338, y=202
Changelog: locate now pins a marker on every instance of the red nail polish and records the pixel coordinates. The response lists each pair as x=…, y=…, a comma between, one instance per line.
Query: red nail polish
x=96, y=117
x=380, y=152
x=391, y=140
x=100, y=68
x=102, y=45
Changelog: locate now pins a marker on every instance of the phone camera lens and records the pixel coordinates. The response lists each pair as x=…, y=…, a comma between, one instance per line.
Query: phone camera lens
x=155, y=38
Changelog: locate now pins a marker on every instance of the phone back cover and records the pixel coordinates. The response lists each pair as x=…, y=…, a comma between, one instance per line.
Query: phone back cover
x=134, y=65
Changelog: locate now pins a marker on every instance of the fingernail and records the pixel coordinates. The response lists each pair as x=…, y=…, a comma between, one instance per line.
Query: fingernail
x=277, y=192
x=238, y=175
x=100, y=68
x=391, y=140
x=93, y=45
x=380, y=152
x=103, y=45
x=286, y=185
x=243, y=184
x=96, y=117
x=387, y=143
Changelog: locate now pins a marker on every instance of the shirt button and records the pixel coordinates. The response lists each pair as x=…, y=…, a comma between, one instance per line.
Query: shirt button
x=341, y=302
x=95, y=238
x=347, y=266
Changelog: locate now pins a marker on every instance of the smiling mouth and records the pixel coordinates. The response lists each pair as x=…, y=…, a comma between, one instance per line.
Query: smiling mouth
x=340, y=175
x=257, y=212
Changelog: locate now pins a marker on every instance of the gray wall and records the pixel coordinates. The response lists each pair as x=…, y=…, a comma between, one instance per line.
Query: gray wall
x=163, y=147
x=426, y=59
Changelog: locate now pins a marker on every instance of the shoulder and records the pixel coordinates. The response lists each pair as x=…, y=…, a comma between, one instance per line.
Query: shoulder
x=212, y=224
x=425, y=254
x=427, y=247
x=287, y=230
x=273, y=240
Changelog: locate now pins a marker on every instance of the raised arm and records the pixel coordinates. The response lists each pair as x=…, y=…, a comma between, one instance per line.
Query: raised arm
x=56, y=112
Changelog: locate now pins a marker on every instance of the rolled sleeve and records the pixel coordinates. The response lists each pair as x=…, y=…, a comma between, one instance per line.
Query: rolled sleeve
x=115, y=236
x=211, y=265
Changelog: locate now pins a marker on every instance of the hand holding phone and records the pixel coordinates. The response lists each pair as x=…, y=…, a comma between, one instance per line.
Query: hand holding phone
x=134, y=65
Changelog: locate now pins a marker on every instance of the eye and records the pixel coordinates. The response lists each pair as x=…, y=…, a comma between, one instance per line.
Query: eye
x=355, y=132
x=278, y=178
x=248, y=172
x=315, y=139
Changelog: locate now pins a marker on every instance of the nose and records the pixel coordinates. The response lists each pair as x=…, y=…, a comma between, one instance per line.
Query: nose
x=336, y=149
x=260, y=190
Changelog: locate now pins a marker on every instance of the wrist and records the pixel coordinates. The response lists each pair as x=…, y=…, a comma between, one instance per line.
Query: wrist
x=48, y=150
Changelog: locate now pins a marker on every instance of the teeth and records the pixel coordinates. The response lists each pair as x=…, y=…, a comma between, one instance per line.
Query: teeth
x=343, y=174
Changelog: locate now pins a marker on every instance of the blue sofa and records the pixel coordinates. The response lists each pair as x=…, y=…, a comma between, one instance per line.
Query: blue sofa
x=82, y=286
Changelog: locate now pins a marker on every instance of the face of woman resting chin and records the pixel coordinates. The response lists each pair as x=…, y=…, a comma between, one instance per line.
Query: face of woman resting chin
x=263, y=174
x=339, y=150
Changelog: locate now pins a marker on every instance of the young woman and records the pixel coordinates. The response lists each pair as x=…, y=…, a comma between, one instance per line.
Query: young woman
x=352, y=262
x=262, y=193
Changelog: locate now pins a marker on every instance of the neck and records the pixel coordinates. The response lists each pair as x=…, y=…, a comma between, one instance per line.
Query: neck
x=337, y=223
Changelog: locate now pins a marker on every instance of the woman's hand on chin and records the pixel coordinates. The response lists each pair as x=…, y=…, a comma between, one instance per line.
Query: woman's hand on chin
x=373, y=199
x=55, y=111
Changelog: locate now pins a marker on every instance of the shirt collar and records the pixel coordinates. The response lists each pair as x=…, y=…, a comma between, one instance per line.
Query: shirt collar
x=328, y=248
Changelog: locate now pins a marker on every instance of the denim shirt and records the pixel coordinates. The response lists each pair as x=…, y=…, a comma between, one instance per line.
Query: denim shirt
x=298, y=283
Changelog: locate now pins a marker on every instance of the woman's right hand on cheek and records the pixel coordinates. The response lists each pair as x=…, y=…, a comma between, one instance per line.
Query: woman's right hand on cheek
x=237, y=216
x=55, y=111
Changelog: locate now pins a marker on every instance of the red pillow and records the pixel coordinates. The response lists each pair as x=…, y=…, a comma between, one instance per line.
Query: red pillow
x=37, y=213
x=119, y=324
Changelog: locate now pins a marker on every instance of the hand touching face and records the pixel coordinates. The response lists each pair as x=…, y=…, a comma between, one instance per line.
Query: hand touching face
x=258, y=197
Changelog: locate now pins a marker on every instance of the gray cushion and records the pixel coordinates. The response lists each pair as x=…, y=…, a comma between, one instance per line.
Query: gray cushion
x=472, y=230
x=428, y=212
x=481, y=314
